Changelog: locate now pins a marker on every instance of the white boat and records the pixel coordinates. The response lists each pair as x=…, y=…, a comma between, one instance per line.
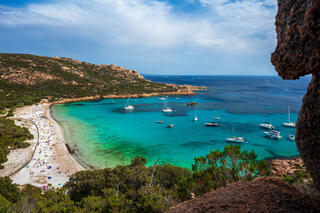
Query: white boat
x=235, y=140
x=170, y=126
x=166, y=108
x=211, y=124
x=289, y=124
x=127, y=106
x=162, y=99
x=160, y=122
x=266, y=126
x=273, y=135
x=292, y=137
x=195, y=115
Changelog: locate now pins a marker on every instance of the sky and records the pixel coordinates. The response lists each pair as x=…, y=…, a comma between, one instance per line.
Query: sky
x=178, y=37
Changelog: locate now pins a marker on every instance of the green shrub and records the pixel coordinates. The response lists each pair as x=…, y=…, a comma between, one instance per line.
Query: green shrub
x=220, y=168
x=8, y=190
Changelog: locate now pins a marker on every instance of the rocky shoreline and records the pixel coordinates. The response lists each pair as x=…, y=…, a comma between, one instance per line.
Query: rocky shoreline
x=279, y=167
x=191, y=90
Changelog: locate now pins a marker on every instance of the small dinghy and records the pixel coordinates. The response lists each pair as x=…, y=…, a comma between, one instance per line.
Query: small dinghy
x=292, y=137
x=211, y=124
x=170, y=126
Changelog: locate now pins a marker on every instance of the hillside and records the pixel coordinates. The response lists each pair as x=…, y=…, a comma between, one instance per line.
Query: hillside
x=26, y=79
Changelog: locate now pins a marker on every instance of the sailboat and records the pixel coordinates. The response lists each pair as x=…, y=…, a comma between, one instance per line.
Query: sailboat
x=289, y=124
x=235, y=139
x=127, y=106
x=195, y=115
x=266, y=125
x=166, y=108
x=273, y=135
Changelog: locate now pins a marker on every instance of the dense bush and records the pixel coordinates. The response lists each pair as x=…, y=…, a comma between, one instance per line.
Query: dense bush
x=135, y=187
x=220, y=168
x=11, y=136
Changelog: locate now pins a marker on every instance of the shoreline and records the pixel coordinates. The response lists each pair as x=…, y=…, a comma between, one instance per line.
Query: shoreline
x=51, y=163
x=118, y=96
x=62, y=162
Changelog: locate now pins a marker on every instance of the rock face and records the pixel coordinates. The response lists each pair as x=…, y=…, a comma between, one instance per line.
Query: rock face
x=260, y=195
x=298, y=54
x=308, y=129
x=298, y=28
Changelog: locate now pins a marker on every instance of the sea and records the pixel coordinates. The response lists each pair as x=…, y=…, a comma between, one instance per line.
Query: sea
x=103, y=134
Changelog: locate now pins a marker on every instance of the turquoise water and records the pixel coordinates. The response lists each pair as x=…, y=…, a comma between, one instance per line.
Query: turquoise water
x=104, y=135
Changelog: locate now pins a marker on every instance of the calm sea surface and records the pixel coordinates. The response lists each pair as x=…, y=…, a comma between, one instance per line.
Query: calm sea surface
x=104, y=135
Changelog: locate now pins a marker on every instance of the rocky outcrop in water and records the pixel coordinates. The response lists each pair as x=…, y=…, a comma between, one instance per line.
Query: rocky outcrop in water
x=298, y=54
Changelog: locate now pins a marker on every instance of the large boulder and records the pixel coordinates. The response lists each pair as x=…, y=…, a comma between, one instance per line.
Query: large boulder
x=298, y=54
x=298, y=27
x=308, y=129
x=260, y=195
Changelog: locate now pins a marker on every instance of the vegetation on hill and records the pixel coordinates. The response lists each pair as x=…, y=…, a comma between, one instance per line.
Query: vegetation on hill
x=11, y=137
x=26, y=79
x=135, y=187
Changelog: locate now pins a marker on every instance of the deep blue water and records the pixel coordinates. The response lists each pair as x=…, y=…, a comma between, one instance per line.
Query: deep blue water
x=104, y=135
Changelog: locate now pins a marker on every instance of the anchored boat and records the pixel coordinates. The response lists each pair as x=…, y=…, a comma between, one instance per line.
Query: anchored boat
x=266, y=126
x=273, y=135
x=127, y=106
x=292, y=137
x=166, y=108
x=235, y=140
x=289, y=124
x=211, y=124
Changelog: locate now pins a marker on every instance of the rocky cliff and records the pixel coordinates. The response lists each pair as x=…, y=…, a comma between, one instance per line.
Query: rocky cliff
x=298, y=54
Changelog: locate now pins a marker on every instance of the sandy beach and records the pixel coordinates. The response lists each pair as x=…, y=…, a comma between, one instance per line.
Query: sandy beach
x=51, y=162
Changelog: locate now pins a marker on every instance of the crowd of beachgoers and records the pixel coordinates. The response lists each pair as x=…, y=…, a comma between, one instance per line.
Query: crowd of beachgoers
x=50, y=162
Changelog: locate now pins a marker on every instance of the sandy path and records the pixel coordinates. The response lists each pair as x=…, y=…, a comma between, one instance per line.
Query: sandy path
x=51, y=163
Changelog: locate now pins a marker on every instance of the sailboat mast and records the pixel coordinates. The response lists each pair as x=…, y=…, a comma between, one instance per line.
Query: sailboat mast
x=232, y=129
x=289, y=113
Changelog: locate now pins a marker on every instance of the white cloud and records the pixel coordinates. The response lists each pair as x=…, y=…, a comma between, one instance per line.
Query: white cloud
x=240, y=26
